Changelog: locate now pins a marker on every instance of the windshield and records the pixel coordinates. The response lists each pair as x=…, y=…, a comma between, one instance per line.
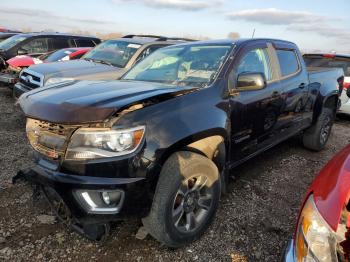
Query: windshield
x=12, y=41
x=114, y=52
x=58, y=55
x=333, y=62
x=188, y=65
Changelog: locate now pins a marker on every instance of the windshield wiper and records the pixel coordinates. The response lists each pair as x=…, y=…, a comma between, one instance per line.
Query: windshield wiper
x=102, y=62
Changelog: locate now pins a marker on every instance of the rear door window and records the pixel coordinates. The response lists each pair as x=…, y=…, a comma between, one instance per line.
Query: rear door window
x=58, y=43
x=288, y=61
x=36, y=46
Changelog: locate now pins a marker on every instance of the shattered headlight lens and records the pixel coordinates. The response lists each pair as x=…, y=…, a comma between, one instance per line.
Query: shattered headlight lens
x=315, y=240
x=93, y=143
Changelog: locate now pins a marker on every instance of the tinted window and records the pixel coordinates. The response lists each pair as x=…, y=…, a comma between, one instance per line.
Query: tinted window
x=37, y=45
x=288, y=62
x=12, y=41
x=333, y=62
x=59, y=43
x=187, y=65
x=256, y=61
x=59, y=55
x=84, y=43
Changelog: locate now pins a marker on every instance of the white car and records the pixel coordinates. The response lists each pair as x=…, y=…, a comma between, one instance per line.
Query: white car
x=334, y=60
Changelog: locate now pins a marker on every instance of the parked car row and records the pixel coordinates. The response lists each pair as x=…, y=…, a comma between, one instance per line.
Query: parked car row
x=36, y=44
x=108, y=61
x=155, y=124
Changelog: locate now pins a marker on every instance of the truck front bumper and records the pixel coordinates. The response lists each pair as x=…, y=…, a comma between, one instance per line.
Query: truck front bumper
x=19, y=89
x=288, y=254
x=83, y=218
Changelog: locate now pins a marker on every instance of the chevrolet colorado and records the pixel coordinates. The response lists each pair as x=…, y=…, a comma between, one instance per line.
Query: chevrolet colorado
x=163, y=139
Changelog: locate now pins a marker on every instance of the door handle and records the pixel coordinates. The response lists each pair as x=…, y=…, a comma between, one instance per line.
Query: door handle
x=302, y=85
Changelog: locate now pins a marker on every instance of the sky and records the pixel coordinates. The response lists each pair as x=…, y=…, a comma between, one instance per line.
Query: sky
x=320, y=25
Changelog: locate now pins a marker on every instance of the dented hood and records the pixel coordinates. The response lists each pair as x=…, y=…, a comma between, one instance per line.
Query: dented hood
x=90, y=101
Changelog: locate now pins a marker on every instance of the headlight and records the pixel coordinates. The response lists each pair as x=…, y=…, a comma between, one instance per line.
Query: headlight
x=56, y=80
x=92, y=143
x=315, y=240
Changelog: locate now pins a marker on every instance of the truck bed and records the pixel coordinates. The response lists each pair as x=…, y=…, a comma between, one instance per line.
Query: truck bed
x=326, y=76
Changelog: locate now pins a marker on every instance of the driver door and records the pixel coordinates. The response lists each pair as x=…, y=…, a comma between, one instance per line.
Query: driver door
x=255, y=113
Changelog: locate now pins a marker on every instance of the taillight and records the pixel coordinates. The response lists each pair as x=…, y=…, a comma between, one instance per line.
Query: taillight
x=329, y=55
x=346, y=85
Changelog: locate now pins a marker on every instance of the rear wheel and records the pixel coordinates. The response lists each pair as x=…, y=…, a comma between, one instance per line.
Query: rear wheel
x=316, y=137
x=186, y=199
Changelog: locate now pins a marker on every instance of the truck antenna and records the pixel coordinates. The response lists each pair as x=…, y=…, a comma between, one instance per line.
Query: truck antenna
x=253, y=33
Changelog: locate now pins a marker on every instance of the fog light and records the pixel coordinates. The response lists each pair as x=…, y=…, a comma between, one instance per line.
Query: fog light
x=111, y=197
x=106, y=198
x=101, y=202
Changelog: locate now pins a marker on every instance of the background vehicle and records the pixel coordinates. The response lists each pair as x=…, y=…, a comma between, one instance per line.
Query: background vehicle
x=36, y=44
x=18, y=63
x=334, y=61
x=108, y=61
x=323, y=228
x=163, y=139
x=4, y=36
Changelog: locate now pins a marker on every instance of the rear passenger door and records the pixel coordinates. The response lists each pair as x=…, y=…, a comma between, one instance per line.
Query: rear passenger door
x=36, y=46
x=294, y=84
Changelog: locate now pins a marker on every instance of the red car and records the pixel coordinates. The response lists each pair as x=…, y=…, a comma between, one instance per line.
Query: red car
x=323, y=229
x=17, y=63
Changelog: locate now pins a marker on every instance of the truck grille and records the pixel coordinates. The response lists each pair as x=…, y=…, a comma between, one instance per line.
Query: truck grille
x=31, y=79
x=49, y=139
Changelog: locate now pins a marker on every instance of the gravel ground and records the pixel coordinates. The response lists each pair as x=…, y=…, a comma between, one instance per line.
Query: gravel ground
x=253, y=222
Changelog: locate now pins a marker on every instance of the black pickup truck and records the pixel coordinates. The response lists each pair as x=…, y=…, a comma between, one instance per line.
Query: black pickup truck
x=163, y=139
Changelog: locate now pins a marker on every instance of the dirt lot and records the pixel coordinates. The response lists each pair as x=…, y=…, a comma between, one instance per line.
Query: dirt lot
x=253, y=222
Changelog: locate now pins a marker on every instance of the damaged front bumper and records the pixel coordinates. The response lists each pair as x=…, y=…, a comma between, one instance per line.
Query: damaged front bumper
x=91, y=202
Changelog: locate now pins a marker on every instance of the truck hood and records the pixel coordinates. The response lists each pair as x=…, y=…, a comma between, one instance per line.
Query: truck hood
x=73, y=68
x=91, y=101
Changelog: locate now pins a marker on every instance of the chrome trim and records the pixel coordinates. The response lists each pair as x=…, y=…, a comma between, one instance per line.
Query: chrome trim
x=90, y=206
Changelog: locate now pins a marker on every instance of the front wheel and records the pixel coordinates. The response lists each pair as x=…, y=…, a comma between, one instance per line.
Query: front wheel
x=316, y=137
x=186, y=199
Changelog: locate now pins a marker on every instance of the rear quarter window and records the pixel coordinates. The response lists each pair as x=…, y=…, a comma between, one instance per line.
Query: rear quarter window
x=84, y=43
x=288, y=61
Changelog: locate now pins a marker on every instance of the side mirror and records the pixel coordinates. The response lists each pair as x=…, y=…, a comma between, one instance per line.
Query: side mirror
x=22, y=52
x=251, y=81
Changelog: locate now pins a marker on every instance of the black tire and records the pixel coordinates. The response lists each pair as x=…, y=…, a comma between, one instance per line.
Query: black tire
x=179, y=172
x=316, y=137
